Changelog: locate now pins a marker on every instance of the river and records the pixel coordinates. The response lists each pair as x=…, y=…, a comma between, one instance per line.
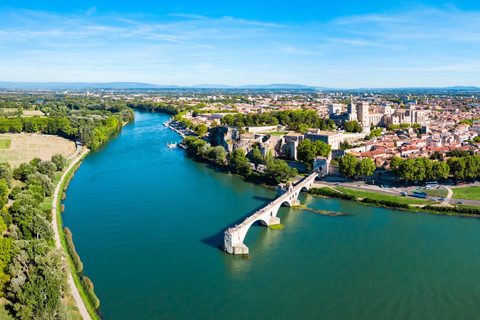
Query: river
x=146, y=222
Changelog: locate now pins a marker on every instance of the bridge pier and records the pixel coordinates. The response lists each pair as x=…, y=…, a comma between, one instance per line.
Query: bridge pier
x=287, y=195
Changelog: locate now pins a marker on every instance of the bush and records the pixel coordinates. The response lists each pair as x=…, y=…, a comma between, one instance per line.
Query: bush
x=64, y=195
x=60, y=161
x=87, y=285
x=71, y=250
x=387, y=203
x=62, y=208
x=462, y=210
x=331, y=193
x=16, y=190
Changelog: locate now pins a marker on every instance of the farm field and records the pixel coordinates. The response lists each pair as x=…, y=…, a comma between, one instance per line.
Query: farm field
x=25, y=147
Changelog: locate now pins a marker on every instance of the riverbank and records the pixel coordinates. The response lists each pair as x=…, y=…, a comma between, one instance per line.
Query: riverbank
x=376, y=199
x=84, y=308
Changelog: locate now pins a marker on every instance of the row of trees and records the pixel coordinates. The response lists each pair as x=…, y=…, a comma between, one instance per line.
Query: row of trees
x=276, y=171
x=351, y=167
x=92, y=127
x=297, y=120
x=419, y=169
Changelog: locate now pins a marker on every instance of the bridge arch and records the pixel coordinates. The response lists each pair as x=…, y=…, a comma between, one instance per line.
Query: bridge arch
x=235, y=236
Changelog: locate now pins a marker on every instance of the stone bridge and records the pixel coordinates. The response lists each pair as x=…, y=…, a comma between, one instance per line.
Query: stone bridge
x=287, y=195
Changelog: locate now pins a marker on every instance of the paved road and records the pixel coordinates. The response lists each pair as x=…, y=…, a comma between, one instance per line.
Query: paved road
x=71, y=283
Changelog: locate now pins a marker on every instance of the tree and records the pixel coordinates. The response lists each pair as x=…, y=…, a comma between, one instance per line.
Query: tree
x=323, y=149
x=440, y=169
x=240, y=163
x=423, y=169
x=256, y=156
x=268, y=158
x=352, y=126
x=306, y=152
x=408, y=170
x=436, y=156
x=395, y=164
x=201, y=129
x=472, y=166
x=60, y=161
x=6, y=173
x=365, y=167
x=348, y=165
x=218, y=154
x=279, y=171
x=46, y=166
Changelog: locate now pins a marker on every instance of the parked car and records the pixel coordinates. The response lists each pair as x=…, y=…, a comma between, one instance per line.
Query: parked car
x=441, y=199
x=460, y=202
x=403, y=193
x=336, y=184
x=434, y=199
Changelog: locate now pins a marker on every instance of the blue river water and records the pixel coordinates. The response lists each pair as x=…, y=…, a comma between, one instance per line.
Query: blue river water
x=146, y=222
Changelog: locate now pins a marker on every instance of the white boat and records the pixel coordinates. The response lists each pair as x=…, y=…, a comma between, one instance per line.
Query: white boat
x=171, y=145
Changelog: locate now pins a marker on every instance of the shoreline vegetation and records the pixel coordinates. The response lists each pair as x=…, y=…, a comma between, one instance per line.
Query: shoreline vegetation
x=318, y=211
x=89, y=298
x=378, y=200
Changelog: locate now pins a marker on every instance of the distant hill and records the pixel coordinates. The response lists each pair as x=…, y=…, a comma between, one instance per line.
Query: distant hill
x=140, y=85
x=79, y=85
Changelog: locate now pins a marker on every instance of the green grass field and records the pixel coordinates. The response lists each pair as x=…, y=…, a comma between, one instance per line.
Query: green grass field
x=382, y=196
x=275, y=133
x=437, y=192
x=5, y=143
x=468, y=193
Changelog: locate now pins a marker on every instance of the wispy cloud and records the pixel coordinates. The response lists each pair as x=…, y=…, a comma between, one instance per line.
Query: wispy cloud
x=419, y=40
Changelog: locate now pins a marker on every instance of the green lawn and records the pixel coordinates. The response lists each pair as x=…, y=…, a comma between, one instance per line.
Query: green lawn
x=275, y=133
x=468, y=193
x=382, y=196
x=5, y=143
x=437, y=192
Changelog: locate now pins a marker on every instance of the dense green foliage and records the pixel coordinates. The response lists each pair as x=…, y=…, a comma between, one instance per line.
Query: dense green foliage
x=60, y=161
x=402, y=126
x=91, y=121
x=352, y=126
x=87, y=285
x=239, y=162
x=461, y=210
x=72, y=252
x=348, y=165
x=374, y=134
x=276, y=170
x=279, y=172
x=308, y=150
x=420, y=169
x=153, y=106
x=386, y=203
x=295, y=120
x=33, y=273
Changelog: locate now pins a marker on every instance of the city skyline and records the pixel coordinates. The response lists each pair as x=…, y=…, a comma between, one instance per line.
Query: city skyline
x=347, y=45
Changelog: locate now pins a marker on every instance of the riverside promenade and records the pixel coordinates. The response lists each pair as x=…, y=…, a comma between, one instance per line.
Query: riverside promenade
x=76, y=295
x=287, y=195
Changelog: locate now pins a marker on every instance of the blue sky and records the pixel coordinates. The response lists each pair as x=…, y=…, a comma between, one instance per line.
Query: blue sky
x=346, y=44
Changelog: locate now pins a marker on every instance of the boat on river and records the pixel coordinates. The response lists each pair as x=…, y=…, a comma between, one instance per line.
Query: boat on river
x=172, y=145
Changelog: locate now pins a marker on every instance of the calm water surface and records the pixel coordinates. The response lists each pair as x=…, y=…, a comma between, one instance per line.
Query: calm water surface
x=146, y=222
